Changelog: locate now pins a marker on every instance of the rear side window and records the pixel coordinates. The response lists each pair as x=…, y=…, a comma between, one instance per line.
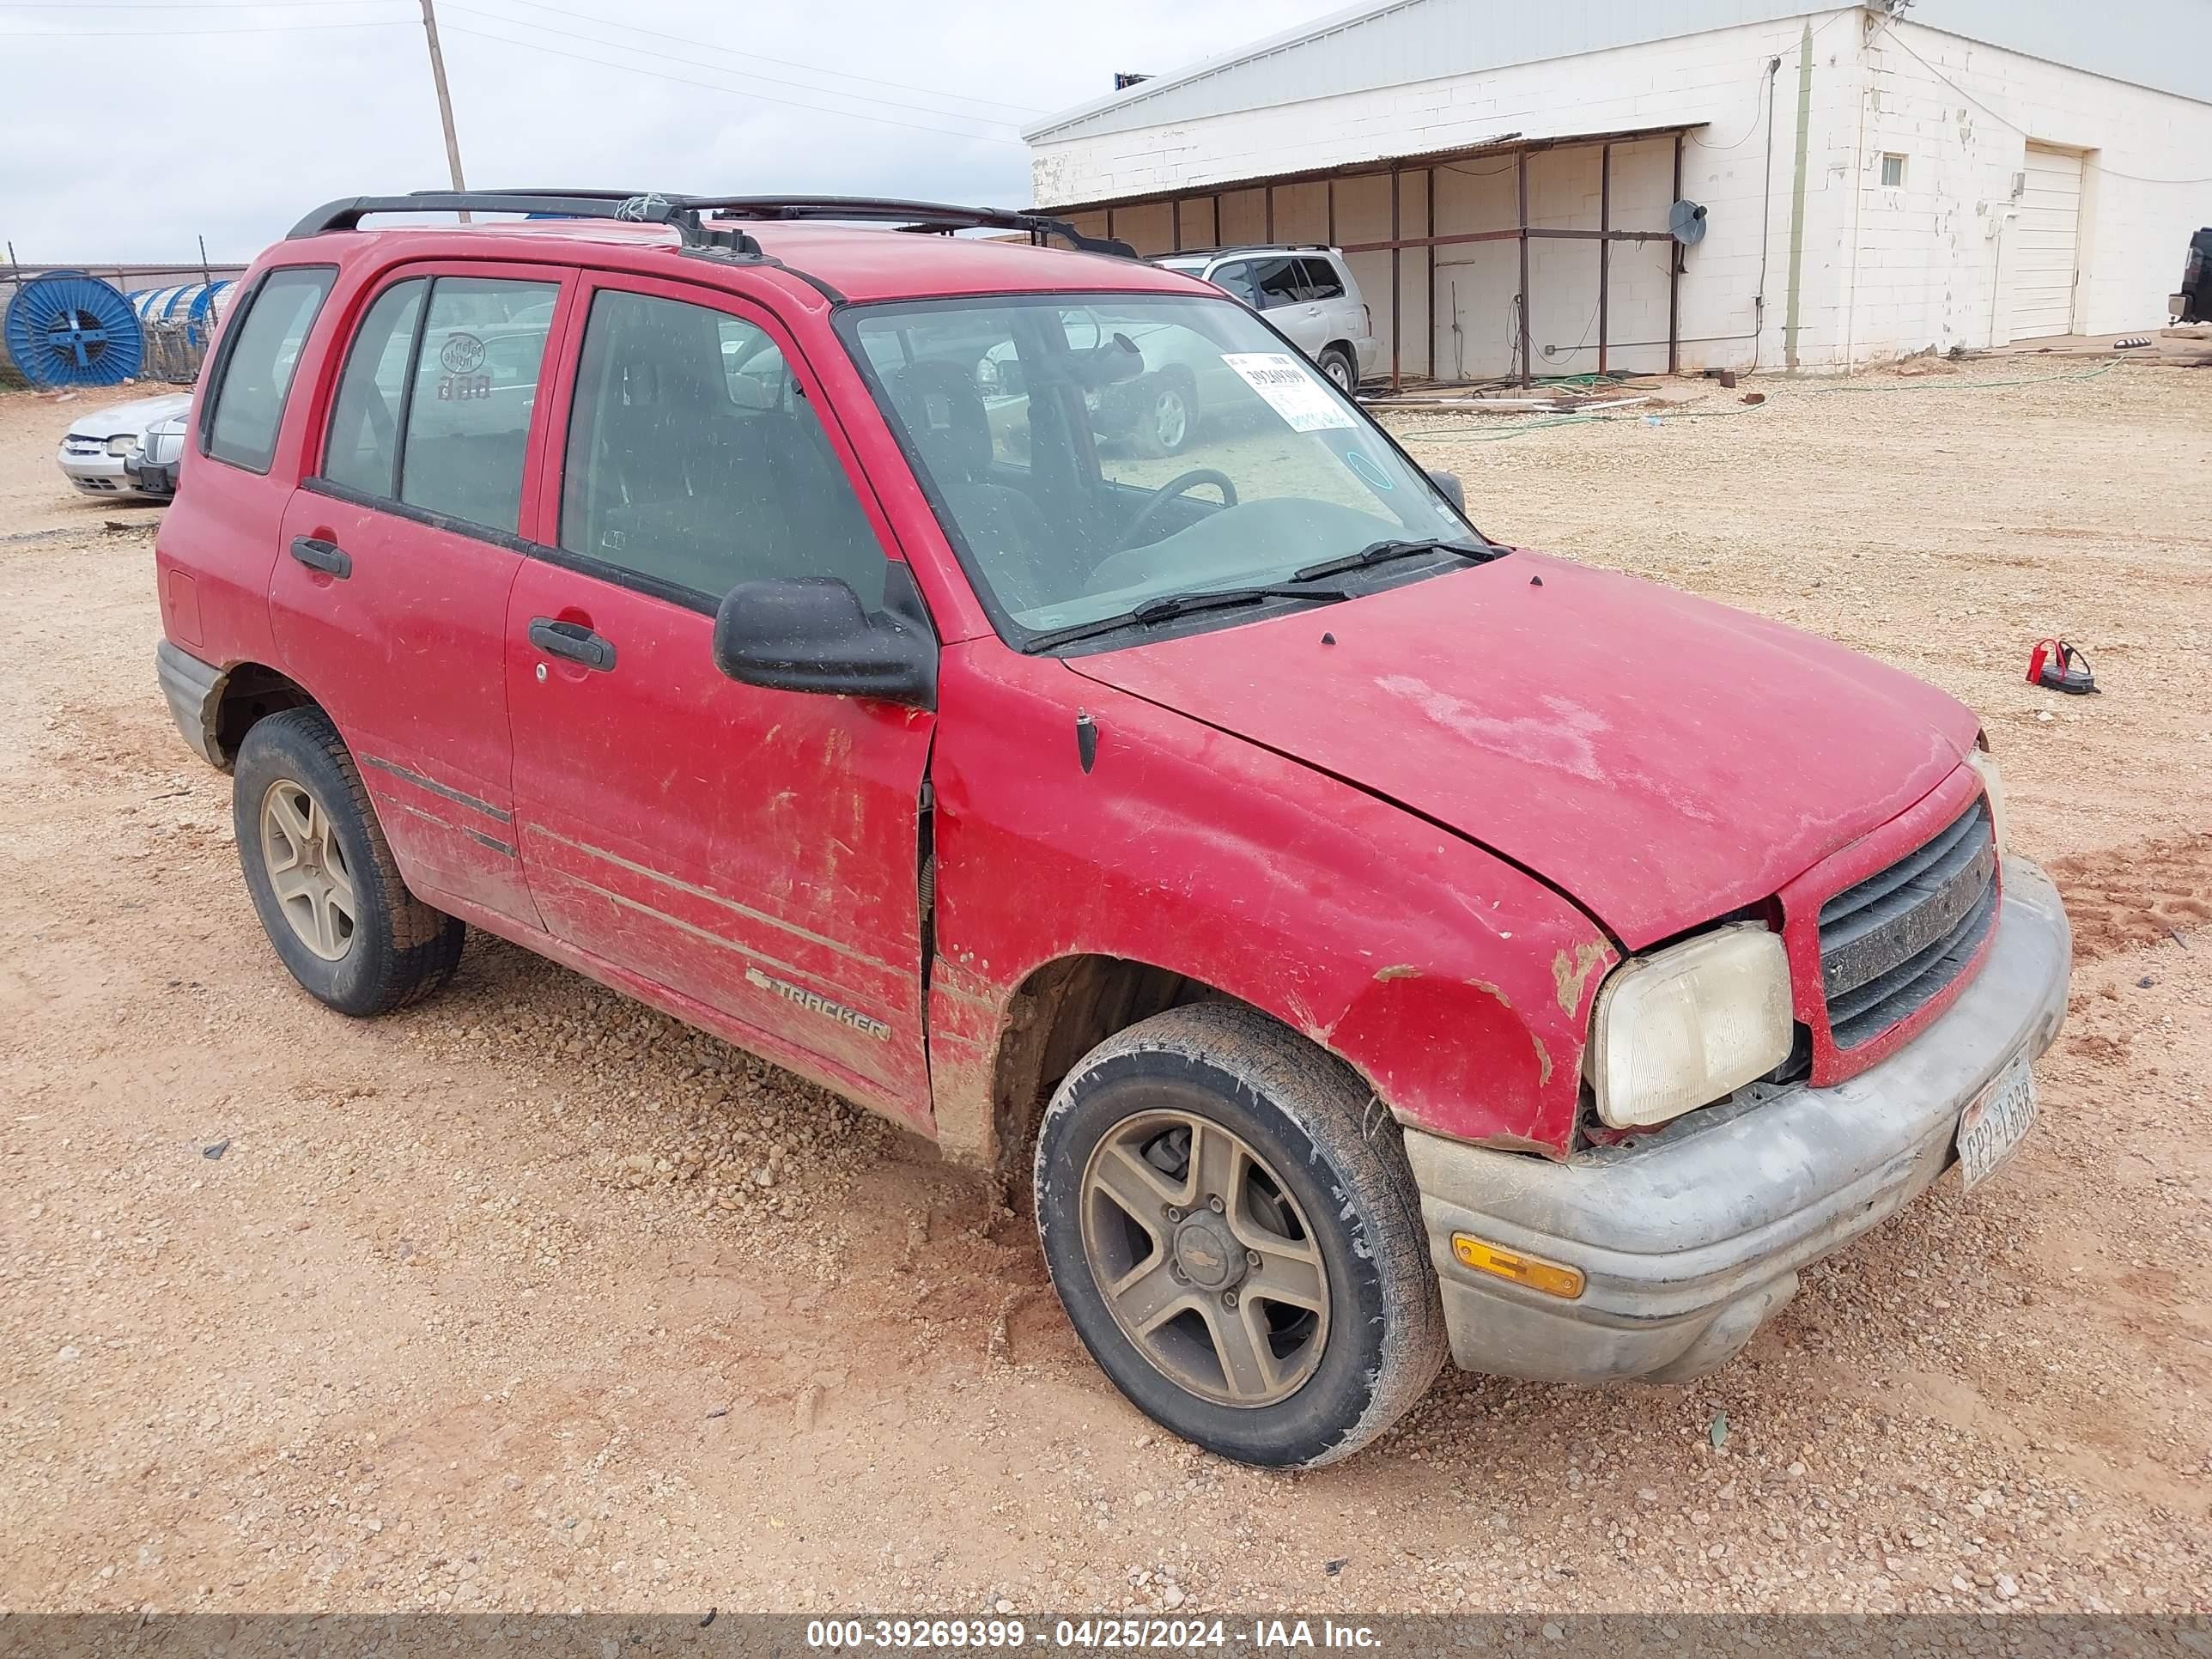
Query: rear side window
x=1322, y=281
x=1277, y=283
x=467, y=422
x=257, y=365
x=364, y=445
x=696, y=461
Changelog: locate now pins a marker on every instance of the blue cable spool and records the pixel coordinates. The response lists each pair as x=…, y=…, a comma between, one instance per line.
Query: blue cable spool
x=68, y=329
x=200, y=317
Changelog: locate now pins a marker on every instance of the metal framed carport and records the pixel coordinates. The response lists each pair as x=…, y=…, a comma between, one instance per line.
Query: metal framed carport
x=1112, y=216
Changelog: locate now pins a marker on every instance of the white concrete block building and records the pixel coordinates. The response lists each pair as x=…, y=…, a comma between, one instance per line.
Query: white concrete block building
x=1877, y=179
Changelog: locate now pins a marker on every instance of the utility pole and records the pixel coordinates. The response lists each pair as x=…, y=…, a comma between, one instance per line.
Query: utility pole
x=444, y=98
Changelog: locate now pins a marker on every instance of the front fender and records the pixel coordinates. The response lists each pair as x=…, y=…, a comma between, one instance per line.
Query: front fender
x=1458, y=985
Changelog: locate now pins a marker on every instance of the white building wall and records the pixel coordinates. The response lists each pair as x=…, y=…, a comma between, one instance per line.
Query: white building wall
x=1923, y=263
x=1882, y=272
x=1719, y=77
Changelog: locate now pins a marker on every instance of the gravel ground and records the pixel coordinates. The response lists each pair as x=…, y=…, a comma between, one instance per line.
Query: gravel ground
x=530, y=1299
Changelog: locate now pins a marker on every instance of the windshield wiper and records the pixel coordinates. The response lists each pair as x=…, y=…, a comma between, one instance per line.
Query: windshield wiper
x=1167, y=606
x=1383, y=551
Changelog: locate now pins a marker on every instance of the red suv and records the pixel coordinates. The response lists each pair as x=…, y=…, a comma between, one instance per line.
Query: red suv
x=1384, y=940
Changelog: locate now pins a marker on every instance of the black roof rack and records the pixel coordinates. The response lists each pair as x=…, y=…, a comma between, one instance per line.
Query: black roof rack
x=347, y=213
x=685, y=214
x=939, y=217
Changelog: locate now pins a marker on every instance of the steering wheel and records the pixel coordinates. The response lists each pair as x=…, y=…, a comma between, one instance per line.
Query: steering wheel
x=1168, y=492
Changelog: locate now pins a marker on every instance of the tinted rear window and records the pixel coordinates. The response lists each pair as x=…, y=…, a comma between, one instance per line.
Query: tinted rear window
x=475, y=385
x=259, y=361
x=1322, y=281
x=1277, y=283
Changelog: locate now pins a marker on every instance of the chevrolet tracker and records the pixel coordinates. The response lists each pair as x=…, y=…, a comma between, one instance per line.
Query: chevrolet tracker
x=766, y=611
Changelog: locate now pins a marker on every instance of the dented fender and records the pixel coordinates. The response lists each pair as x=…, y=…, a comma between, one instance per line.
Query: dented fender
x=1459, y=985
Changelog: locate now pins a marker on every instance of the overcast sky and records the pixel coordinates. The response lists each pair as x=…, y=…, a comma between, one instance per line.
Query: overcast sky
x=127, y=129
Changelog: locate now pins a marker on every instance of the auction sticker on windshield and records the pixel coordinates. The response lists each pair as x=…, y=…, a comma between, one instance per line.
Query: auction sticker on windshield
x=1292, y=391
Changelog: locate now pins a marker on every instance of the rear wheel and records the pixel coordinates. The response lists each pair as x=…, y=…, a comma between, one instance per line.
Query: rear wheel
x=323, y=881
x=1235, y=1233
x=1343, y=374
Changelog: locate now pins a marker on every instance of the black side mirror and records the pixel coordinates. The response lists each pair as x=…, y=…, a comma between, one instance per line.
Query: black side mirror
x=1455, y=491
x=813, y=634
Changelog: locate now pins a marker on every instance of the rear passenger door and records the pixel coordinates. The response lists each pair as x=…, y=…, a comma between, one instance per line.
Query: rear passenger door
x=754, y=852
x=1335, y=316
x=390, y=592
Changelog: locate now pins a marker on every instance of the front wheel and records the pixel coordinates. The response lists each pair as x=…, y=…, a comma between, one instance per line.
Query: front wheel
x=1233, y=1232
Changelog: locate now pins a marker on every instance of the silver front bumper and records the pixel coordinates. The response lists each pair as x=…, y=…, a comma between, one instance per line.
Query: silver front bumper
x=96, y=474
x=1693, y=1238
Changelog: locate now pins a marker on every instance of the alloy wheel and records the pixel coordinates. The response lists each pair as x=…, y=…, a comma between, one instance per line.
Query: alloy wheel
x=307, y=870
x=1205, y=1259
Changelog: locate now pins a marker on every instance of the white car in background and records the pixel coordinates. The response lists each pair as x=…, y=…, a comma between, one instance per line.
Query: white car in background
x=1308, y=291
x=94, y=448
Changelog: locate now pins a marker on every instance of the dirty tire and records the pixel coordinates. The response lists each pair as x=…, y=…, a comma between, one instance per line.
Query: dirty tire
x=1335, y=1152
x=401, y=949
x=1336, y=362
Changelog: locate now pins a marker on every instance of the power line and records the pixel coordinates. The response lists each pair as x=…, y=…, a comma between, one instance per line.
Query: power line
x=747, y=75
x=708, y=86
x=763, y=58
x=182, y=5
x=140, y=34
x=558, y=11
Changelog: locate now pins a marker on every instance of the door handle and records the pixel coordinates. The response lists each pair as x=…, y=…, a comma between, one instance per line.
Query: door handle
x=317, y=554
x=574, y=641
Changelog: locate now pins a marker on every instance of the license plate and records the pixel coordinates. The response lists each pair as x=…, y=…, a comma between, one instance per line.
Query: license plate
x=1993, y=1126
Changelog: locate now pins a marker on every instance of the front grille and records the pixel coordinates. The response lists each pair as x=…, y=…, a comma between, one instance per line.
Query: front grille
x=1890, y=943
x=76, y=445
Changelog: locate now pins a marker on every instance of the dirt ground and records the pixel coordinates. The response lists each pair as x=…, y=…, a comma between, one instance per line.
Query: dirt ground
x=529, y=1298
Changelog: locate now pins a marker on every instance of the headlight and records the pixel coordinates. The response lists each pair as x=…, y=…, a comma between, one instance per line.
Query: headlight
x=1985, y=767
x=122, y=446
x=1683, y=1026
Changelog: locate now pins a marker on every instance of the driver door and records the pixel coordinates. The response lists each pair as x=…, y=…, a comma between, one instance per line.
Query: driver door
x=751, y=854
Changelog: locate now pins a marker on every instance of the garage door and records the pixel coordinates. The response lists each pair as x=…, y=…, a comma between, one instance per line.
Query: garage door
x=2042, y=246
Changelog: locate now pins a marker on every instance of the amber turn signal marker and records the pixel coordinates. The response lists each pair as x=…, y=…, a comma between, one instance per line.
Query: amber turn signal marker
x=1548, y=1277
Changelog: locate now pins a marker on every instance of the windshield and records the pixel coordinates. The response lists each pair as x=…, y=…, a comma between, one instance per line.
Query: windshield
x=1090, y=455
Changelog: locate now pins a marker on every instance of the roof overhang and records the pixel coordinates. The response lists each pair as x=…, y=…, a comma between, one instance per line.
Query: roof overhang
x=1506, y=143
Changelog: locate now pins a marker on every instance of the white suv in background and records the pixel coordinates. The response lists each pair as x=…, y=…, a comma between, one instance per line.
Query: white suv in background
x=1307, y=291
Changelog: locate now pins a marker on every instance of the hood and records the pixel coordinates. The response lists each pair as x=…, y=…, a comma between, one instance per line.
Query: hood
x=129, y=419
x=1661, y=758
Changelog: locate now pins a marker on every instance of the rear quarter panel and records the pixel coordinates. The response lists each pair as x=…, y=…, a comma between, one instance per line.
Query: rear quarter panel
x=1458, y=985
